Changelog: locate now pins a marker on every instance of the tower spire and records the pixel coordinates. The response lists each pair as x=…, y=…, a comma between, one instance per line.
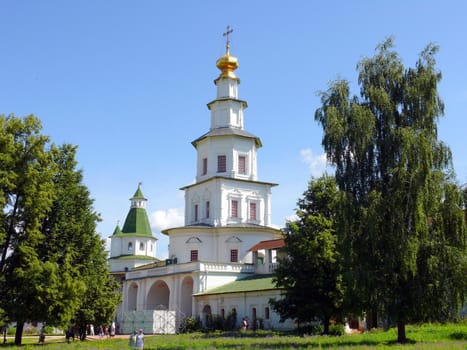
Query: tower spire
x=228, y=31
x=227, y=63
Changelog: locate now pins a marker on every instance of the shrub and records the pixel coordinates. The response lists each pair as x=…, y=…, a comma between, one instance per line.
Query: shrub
x=336, y=329
x=49, y=330
x=230, y=323
x=215, y=323
x=311, y=329
x=190, y=325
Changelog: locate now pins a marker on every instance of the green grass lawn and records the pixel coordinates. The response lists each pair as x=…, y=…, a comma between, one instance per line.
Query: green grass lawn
x=428, y=336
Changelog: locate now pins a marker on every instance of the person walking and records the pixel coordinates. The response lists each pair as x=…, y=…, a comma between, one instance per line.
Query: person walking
x=140, y=340
x=132, y=341
x=245, y=324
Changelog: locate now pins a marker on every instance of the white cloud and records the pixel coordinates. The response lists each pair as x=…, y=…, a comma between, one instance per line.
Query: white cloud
x=162, y=219
x=292, y=217
x=316, y=163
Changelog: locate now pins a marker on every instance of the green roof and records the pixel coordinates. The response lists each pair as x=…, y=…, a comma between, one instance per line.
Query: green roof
x=138, y=194
x=117, y=231
x=248, y=284
x=137, y=222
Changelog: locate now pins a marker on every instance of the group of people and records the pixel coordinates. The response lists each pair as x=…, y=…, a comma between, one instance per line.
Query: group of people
x=105, y=331
x=136, y=341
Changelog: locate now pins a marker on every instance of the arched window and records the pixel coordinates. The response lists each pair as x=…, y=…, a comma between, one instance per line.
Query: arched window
x=141, y=246
x=130, y=246
x=266, y=313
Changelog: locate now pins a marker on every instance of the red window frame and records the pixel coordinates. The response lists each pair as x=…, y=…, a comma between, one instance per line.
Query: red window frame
x=253, y=211
x=241, y=164
x=194, y=255
x=221, y=164
x=233, y=255
x=234, y=208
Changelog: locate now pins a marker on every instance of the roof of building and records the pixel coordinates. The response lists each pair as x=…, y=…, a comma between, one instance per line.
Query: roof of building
x=227, y=178
x=138, y=194
x=248, y=284
x=269, y=244
x=244, y=226
x=133, y=257
x=137, y=222
x=228, y=132
x=117, y=231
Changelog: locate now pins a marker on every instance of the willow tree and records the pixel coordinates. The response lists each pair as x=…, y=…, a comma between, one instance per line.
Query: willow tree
x=395, y=177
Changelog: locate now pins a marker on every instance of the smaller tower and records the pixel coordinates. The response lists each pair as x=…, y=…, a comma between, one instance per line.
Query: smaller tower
x=133, y=245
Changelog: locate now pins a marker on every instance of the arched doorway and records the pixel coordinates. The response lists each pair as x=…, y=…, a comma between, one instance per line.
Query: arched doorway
x=206, y=315
x=132, y=297
x=158, y=296
x=186, y=296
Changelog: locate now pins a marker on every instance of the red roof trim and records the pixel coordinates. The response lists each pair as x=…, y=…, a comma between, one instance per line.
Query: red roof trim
x=271, y=244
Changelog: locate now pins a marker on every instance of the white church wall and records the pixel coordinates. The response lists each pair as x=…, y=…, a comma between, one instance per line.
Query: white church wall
x=231, y=147
x=227, y=88
x=210, y=280
x=126, y=264
x=215, y=244
x=244, y=303
x=115, y=246
x=245, y=192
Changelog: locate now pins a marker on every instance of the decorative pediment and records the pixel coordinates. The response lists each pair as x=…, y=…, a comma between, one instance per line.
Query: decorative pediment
x=235, y=192
x=193, y=239
x=233, y=239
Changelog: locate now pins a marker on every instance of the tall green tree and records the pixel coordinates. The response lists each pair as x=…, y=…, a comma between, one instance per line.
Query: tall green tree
x=396, y=178
x=26, y=172
x=310, y=271
x=72, y=243
x=48, y=244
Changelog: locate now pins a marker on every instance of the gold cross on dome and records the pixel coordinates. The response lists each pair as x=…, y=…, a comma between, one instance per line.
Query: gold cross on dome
x=226, y=34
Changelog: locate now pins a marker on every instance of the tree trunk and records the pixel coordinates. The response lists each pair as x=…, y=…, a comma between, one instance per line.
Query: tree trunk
x=19, y=332
x=401, y=338
x=372, y=319
x=326, y=325
x=84, y=332
x=9, y=234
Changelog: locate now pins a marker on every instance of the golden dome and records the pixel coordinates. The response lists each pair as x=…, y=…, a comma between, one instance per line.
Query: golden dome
x=227, y=64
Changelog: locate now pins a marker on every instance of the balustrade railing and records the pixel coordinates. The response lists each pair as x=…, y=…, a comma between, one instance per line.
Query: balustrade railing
x=190, y=266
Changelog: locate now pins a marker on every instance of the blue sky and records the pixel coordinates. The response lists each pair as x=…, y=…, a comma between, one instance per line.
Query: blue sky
x=128, y=82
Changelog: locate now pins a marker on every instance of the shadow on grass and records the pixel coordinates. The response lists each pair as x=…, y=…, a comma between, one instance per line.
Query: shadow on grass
x=458, y=335
x=311, y=342
x=292, y=344
x=32, y=345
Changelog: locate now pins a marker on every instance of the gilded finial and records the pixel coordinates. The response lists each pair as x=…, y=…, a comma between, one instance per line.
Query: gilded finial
x=227, y=63
x=228, y=31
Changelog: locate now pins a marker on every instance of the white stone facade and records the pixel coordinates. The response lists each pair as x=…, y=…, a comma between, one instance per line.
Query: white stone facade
x=227, y=212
